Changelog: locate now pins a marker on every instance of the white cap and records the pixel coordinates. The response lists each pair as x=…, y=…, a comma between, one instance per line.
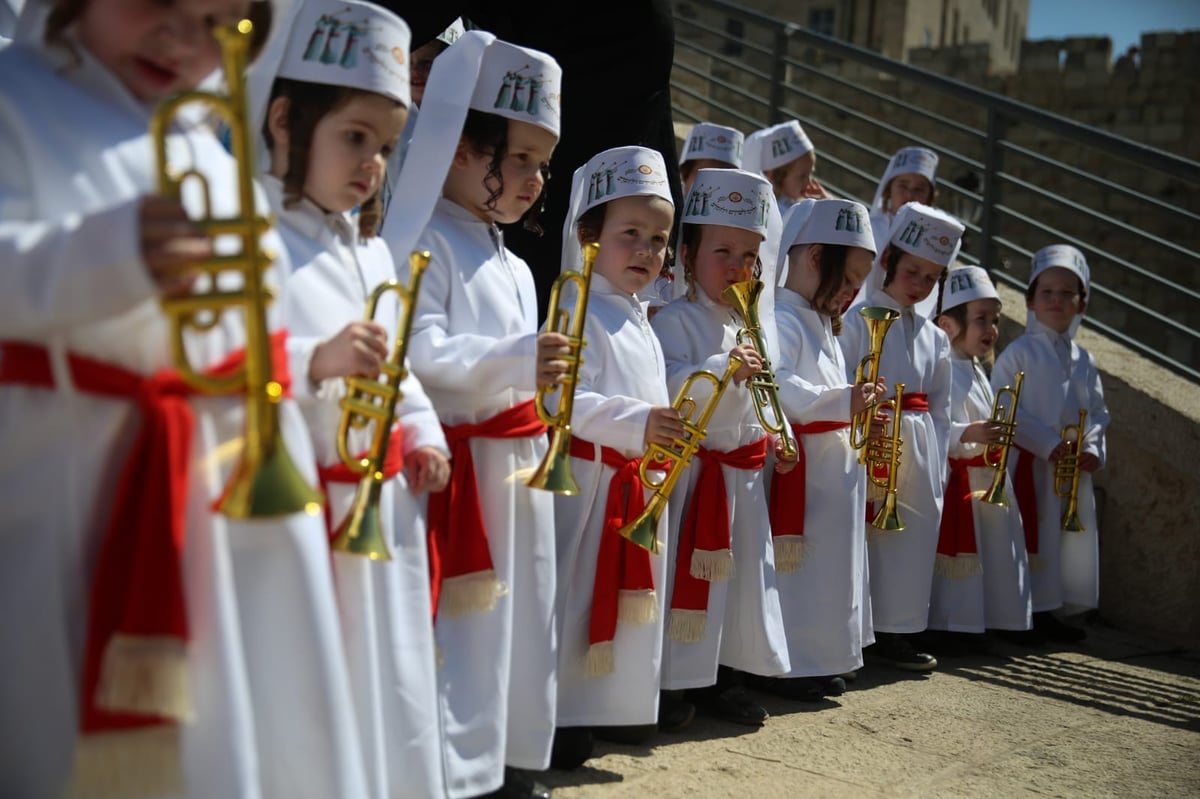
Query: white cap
x=452, y=32
x=907, y=161
x=729, y=197
x=967, y=283
x=715, y=142
x=349, y=43
x=775, y=146
x=607, y=176
x=926, y=232
x=830, y=221
x=1063, y=255
x=521, y=84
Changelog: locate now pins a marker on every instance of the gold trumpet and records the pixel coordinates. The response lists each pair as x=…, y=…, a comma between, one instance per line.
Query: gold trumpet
x=265, y=480
x=1066, y=474
x=554, y=472
x=878, y=320
x=744, y=297
x=368, y=400
x=995, y=455
x=886, y=452
x=643, y=530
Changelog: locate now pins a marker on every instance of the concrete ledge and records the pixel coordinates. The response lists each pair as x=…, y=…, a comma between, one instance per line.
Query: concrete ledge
x=1149, y=494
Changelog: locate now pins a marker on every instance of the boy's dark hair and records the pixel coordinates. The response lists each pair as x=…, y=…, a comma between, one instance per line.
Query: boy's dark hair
x=831, y=266
x=689, y=239
x=488, y=133
x=1031, y=289
x=308, y=103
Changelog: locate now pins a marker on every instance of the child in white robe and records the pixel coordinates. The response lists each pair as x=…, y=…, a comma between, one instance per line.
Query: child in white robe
x=915, y=353
x=1061, y=380
x=611, y=589
x=211, y=663
x=817, y=509
x=329, y=125
x=785, y=155
x=981, y=576
x=724, y=606
x=494, y=108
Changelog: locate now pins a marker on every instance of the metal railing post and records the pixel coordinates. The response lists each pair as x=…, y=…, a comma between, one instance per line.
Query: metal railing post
x=778, y=74
x=993, y=153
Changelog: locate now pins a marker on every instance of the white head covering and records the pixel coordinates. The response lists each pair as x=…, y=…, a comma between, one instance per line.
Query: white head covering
x=907, y=160
x=926, y=232
x=967, y=283
x=1063, y=255
x=452, y=32
x=521, y=84
x=716, y=142
x=607, y=176
x=348, y=43
x=830, y=221
x=775, y=146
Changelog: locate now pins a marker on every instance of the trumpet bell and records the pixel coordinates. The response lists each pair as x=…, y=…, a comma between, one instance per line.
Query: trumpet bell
x=362, y=533
x=272, y=486
x=1071, y=522
x=888, y=517
x=643, y=530
x=995, y=494
x=554, y=473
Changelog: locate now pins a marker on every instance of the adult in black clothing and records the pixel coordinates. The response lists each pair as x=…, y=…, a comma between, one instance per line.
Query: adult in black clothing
x=616, y=61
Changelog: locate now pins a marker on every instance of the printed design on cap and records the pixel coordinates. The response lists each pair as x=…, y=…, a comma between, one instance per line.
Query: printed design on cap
x=783, y=146
x=912, y=157
x=719, y=142
x=915, y=235
x=608, y=179
x=851, y=220
x=705, y=201
x=1062, y=256
x=961, y=280
x=523, y=93
x=334, y=41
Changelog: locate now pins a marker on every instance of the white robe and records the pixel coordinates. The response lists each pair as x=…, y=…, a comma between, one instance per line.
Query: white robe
x=826, y=602
x=1065, y=572
x=385, y=606
x=621, y=378
x=901, y=562
x=996, y=596
x=474, y=345
x=268, y=678
x=744, y=628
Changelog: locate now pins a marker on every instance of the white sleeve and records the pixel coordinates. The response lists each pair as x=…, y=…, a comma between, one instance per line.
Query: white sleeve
x=1032, y=434
x=416, y=413
x=1098, y=418
x=804, y=402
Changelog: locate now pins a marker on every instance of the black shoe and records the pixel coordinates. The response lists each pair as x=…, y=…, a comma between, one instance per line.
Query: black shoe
x=629, y=734
x=572, y=746
x=674, y=711
x=797, y=689
x=519, y=785
x=896, y=650
x=733, y=704
x=1022, y=637
x=832, y=686
x=1054, y=629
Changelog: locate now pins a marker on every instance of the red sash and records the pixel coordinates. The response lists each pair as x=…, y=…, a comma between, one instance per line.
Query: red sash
x=705, y=553
x=1027, y=502
x=917, y=401
x=789, y=494
x=342, y=474
x=956, y=533
x=458, y=543
x=135, y=664
x=622, y=567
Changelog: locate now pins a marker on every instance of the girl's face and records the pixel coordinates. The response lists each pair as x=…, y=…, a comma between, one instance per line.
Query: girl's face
x=1056, y=301
x=796, y=176
x=522, y=170
x=859, y=263
x=350, y=147
x=908, y=187
x=724, y=256
x=633, y=241
x=915, y=277
x=983, y=326
x=157, y=47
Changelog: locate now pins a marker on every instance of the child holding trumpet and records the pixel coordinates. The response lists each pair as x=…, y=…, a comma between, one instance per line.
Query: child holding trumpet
x=915, y=360
x=724, y=615
x=981, y=574
x=329, y=126
x=1061, y=422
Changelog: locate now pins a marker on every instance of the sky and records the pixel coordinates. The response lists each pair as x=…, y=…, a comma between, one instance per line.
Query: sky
x=1123, y=21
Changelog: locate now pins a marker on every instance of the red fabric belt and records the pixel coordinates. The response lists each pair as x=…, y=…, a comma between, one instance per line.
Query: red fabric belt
x=137, y=589
x=458, y=543
x=621, y=565
x=917, y=401
x=707, y=526
x=1027, y=502
x=789, y=491
x=956, y=535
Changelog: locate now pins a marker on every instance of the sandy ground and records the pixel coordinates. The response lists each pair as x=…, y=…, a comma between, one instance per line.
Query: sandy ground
x=1115, y=716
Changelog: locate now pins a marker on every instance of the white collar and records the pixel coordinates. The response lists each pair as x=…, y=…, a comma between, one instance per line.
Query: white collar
x=307, y=217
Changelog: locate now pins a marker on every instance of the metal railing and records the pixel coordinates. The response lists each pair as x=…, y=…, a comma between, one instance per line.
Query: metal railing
x=1018, y=177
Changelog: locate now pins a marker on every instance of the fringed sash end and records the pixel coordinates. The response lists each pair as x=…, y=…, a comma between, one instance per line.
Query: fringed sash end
x=470, y=593
x=714, y=566
x=599, y=660
x=637, y=606
x=686, y=626
x=957, y=567
x=789, y=553
x=146, y=675
x=127, y=764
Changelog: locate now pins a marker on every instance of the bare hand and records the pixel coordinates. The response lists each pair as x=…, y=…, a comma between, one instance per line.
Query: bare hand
x=878, y=427
x=172, y=244
x=784, y=463
x=426, y=469
x=752, y=363
x=1061, y=449
x=359, y=350
x=553, y=349
x=864, y=395
x=815, y=190
x=663, y=426
x=983, y=432
x=1089, y=462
